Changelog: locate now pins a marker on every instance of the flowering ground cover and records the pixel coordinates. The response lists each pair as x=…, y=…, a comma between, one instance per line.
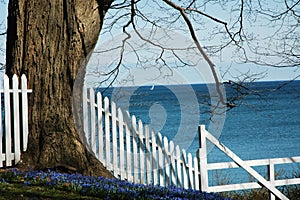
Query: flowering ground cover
x=89, y=187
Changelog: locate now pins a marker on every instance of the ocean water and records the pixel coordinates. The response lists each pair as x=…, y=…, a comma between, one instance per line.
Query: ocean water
x=265, y=124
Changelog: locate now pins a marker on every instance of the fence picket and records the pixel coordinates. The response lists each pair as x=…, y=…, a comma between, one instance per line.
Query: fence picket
x=85, y=113
x=190, y=169
x=16, y=117
x=172, y=163
x=8, y=153
x=100, y=127
x=141, y=151
x=128, y=150
x=196, y=170
x=184, y=170
x=148, y=155
x=135, y=149
x=155, y=166
x=24, y=111
x=166, y=161
x=114, y=144
x=121, y=143
x=179, y=167
x=107, y=133
x=160, y=161
x=92, y=120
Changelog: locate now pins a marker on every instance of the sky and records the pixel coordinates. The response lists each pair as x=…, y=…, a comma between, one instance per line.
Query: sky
x=269, y=73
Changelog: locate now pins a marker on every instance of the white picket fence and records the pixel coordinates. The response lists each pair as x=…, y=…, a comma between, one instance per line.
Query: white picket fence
x=14, y=112
x=133, y=152
x=248, y=165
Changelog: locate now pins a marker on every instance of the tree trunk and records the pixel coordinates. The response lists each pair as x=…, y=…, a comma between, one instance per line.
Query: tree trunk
x=50, y=42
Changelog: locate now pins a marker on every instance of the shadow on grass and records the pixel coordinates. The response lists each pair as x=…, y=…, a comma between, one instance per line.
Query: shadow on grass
x=19, y=191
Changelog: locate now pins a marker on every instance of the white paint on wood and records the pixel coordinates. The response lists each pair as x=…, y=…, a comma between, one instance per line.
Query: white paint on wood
x=142, y=157
x=24, y=105
x=16, y=117
x=107, y=133
x=243, y=165
x=15, y=120
x=190, y=170
x=148, y=155
x=121, y=144
x=179, y=166
x=155, y=167
x=92, y=120
x=173, y=158
x=85, y=113
x=114, y=139
x=141, y=143
x=184, y=169
x=7, y=114
x=100, y=127
x=166, y=161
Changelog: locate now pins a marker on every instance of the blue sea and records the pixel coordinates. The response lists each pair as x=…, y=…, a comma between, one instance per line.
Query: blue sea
x=264, y=124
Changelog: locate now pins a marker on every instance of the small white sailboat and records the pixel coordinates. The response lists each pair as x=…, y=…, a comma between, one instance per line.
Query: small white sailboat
x=152, y=88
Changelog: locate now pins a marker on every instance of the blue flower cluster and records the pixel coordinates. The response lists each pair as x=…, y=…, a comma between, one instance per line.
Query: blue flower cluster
x=107, y=188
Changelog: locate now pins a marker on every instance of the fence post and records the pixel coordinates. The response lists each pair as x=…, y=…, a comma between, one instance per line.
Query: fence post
x=203, y=159
x=271, y=174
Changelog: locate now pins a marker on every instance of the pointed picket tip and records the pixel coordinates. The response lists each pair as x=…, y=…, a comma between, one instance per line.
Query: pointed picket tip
x=23, y=76
x=15, y=83
x=183, y=152
x=190, y=156
x=99, y=95
x=106, y=99
x=120, y=113
x=133, y=119
x=171, y=145
x=15, y=77
x=5, y=82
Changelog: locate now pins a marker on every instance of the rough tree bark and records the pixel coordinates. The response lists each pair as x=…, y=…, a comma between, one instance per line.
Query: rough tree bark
x=49, y=41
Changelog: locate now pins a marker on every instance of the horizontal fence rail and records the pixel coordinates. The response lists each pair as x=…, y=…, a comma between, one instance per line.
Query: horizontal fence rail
x=133, y=152
x=14, y=120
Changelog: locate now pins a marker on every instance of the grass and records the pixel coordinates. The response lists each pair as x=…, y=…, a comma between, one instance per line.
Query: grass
x=19, y=191
x=16, y=184
x=290, y=191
